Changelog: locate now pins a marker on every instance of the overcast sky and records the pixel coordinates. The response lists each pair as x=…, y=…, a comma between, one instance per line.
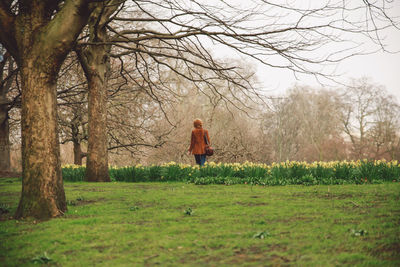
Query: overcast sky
x=382, y=67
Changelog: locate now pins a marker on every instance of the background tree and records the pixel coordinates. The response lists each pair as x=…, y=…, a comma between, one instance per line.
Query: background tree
x=305, y=125
x=8, y=73
x=280, y=129
x=95, y=62
x=384, y=134
x=72, y=107
x=369, y=120
x=318, y=123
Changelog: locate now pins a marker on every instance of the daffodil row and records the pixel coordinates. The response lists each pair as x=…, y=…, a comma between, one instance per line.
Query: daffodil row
x=288, y=172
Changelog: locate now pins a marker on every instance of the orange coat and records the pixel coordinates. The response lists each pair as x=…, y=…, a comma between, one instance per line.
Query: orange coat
x=198, y=144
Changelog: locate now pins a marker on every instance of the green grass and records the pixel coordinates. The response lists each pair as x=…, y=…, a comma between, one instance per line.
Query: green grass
x=140, y=224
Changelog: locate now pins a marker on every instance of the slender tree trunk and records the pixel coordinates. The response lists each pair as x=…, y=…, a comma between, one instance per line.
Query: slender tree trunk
x=5, y=86
x=77, y=153
x=42, y=188
x=76, y=140
x=5, y=164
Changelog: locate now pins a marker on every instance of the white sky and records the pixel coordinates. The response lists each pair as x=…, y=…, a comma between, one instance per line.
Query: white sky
x=383, y=68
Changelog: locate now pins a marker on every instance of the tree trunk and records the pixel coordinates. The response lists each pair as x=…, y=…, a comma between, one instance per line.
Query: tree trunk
x=4, y=139
x=95, y=62
x=5, y=86
x=77, y=153
x=39, y=37
x=97, y=157
x=42, y=187
x=76, y=140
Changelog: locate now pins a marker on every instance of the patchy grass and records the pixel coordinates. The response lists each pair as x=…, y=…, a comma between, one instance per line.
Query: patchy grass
x=169, y=224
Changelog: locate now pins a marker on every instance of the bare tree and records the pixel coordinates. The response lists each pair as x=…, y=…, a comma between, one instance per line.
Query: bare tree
x=384, y=134
x=291, y=35
x=359, y=108
x=304, y=125
x=8, y=73
x=39, y=35
x=370, y=119
x=95, y=62
x=72, y=106
x=319, y=121
x=280, y=127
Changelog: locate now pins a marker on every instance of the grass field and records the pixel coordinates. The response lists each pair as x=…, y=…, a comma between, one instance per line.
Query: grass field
x=179, y=224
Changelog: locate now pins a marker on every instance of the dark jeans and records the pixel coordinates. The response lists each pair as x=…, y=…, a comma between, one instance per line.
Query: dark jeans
x=200, y=159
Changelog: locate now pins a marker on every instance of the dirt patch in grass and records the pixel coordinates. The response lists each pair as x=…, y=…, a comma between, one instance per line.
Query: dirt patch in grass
x=101, y=248
x=207, y=221
x=326, y=195
x=251, y=204
x=5, y=217
x=345, y=221
x=10, y=194
x=10, y=174
x=293, y=219
x=387, y=251
x=83, y=202
x=69, y=252
x=257, y=254
x=96, y=190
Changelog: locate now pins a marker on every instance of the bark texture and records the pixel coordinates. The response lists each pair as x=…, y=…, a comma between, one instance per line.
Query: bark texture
x=5, y=164
x=39, y=37
x=5, y=85
x=77, y=137
x=42, y=188
x=78, y=155
x=95, y=62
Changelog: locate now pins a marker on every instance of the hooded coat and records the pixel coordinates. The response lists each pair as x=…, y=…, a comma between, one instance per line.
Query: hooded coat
x=198, y=144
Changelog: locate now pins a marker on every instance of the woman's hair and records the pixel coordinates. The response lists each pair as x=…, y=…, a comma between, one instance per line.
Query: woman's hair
x=197, y=123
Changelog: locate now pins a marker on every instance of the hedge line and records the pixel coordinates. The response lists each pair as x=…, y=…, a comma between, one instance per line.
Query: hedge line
x=285, y=173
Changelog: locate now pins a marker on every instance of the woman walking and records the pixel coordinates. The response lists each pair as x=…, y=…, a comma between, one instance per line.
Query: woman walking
x=198, y=143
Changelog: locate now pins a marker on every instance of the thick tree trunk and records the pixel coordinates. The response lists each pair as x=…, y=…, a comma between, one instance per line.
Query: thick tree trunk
x=95, y=62
x=42, y=187
x=5, y=164
x=39, y=37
